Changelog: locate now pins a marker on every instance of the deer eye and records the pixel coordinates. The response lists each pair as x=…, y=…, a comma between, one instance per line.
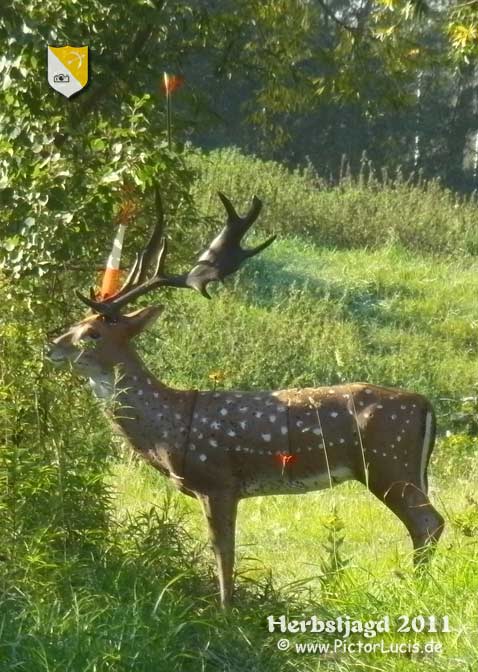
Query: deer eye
x=93, y=334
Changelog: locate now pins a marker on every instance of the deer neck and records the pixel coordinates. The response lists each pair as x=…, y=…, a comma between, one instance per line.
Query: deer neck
x=126, y=372
x=154, y=418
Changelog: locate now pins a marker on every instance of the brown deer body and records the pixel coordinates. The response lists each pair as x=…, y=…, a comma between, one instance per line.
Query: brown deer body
x=222, y=446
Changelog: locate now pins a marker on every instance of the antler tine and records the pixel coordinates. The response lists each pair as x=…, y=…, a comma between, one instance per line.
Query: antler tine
x=143, y=260
x=159, y=270
x=225, y=254
x=154, y=245
x=237, y=223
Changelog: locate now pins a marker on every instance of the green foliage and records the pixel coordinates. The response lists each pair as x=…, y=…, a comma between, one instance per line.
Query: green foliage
x=64, y=163
x=370, y=211
x=50, y=461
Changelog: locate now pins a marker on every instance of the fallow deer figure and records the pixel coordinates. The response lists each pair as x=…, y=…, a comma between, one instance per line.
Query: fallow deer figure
x=222, y=446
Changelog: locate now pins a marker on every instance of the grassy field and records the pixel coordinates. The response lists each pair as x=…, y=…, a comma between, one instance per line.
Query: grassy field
x=106, y=569
x=383, y=316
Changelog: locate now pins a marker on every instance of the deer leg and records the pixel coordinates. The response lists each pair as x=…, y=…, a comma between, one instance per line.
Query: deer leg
x=220, y=511
x=423, y=522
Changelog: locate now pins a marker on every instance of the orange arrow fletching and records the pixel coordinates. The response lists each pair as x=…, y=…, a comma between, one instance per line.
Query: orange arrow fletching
x=171, y=83
x=284, y=459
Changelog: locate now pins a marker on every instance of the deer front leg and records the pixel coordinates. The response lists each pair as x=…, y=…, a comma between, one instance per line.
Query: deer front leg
x=220, y=511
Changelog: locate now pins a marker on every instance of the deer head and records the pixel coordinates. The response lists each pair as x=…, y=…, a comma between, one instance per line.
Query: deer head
x=102, y=339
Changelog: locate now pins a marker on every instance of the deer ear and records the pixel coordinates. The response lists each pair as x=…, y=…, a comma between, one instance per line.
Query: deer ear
x=143, y=318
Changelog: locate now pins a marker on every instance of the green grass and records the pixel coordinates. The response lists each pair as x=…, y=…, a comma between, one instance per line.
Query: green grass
x=107, y=569
x=383, y=316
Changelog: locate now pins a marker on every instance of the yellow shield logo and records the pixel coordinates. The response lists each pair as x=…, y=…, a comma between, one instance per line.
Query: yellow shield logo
x=68, y=69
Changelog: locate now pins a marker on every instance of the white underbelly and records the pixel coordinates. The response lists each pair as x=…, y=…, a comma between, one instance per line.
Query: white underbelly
x=285, y=485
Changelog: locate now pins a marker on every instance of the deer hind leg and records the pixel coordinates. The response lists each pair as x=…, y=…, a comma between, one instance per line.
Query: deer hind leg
x=423, y=522
x=220, y=511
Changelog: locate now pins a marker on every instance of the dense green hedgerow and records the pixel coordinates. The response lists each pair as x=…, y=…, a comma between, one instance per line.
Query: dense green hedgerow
x=371, y=211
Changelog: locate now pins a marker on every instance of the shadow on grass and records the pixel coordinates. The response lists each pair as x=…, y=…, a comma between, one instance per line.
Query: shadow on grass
x=267, y=283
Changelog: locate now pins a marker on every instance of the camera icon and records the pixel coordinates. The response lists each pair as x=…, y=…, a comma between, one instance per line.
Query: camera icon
x=61, y=79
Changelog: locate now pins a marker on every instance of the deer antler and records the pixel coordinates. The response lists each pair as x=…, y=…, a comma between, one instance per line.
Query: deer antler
x=223, y=257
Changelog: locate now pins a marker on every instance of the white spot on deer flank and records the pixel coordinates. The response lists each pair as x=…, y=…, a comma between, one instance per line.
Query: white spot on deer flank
x=258, y=414
x=317, y=431
x=231, y=432
x=281, y=409
x=283, y=430
x=399, y=438
x=334, y=414
x=299, y=423
x=223, y=411
x=135, y=377
x=243, y=424
x=192, y=446
x=149, y=381
x=403, y=407
x=243, y=409
x=266, y=437
x=213, y=443
x=203, y=457
x=393, y=416
x=155, y=395
x=367, y=391
x=177, y=416
x=216, y=395
x=215, y=425
x=379, y=406
x=140, y=393
x=342, y=440
x=272, y=418
x=204, y=421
